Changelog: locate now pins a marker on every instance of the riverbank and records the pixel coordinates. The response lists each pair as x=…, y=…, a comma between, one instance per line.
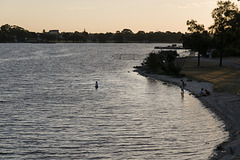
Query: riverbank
x=224, y=102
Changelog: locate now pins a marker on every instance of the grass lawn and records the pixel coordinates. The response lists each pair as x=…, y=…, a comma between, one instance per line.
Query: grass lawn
x=225, y=78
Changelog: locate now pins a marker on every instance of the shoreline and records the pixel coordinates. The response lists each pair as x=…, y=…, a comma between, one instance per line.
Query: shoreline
x=225, y=106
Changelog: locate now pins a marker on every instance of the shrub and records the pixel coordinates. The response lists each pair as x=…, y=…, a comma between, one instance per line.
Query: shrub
x=164, y=60
x=152, y=62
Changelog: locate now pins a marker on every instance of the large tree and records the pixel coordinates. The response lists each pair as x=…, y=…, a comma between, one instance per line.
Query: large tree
x=127, y=34
x=12, y=33
x=198, y=40
x=224, y=17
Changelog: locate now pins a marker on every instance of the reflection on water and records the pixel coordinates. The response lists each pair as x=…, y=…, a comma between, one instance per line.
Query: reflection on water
x=50, y=108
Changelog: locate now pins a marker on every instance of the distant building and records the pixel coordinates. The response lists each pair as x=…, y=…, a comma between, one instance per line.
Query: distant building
x=54, y=32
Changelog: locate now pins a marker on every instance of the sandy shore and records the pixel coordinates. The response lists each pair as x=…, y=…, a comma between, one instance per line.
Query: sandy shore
x=225, y=105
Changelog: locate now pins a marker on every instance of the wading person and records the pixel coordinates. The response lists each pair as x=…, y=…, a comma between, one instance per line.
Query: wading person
x=183, y=85
x=96, y=85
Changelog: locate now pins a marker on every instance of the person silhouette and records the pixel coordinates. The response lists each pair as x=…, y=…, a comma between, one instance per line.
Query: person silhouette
x=96, y=85
x=183, y=85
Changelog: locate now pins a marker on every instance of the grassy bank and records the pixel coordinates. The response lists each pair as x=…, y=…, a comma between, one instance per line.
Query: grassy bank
x=224, y=78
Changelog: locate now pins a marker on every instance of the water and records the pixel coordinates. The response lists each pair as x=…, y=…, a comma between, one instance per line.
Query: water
x=50, y=108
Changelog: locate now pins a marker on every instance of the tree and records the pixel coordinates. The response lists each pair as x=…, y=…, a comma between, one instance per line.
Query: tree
x=140, y=36
x=77, y=37
x=5, y=28
x=194, y=27
x=102, y=38
x=222, y=16
x=199, y=40
x=13, y=33
x=85, y=33
x=127, y=34
x=118, y=37
x=163, y=60
x=222, y=28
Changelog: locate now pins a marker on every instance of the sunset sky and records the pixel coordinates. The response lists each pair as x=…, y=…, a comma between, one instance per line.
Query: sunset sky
x=98, y=16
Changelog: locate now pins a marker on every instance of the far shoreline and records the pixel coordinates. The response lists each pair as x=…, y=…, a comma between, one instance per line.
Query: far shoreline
x=111, y=42
x=220, y=103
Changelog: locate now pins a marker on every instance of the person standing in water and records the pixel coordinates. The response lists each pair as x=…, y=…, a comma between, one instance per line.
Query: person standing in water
x=183, y=85
x=96, y=85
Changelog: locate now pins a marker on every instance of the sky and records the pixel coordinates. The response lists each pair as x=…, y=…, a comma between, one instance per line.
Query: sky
x=101, y=16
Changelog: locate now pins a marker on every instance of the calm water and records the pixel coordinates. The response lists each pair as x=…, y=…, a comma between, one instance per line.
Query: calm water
x=51, y=110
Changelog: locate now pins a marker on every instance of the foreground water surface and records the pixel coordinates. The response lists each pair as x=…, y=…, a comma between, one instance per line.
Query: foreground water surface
x=51, y=110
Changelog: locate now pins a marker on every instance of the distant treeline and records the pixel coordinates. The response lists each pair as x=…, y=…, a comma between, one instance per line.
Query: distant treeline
x=16, y=34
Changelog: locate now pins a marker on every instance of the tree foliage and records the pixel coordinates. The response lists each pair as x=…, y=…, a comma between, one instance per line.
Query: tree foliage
x=223, y=35
x=193, y=27
x=225, y=29
x=199, y=39
x=223, y=16
x=13, y=33
x=166, y=61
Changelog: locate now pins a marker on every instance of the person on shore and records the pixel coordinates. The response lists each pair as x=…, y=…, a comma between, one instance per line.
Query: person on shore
x=207, y=92
x=183, y=85
x=200, y=93
x=96, y=85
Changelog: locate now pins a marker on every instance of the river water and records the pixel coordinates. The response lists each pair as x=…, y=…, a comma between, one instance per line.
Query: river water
x=50, y=108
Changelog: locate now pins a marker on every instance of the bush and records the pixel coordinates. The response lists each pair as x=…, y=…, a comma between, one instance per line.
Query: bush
x=165, y=61
x=152, y=62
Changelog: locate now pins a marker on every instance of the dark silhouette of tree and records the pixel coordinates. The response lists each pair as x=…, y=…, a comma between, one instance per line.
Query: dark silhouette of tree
x=163, y=60
x=224, y=17
x=66, y=36
x=199, y=40
x=127, y=32
x=127, y=35
x=85, y=34
x=5, y=29
x=14, y=33
x=102, y=38
x=194, y=27
x=140, y=36
x=78, y=37
x=118, y=37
